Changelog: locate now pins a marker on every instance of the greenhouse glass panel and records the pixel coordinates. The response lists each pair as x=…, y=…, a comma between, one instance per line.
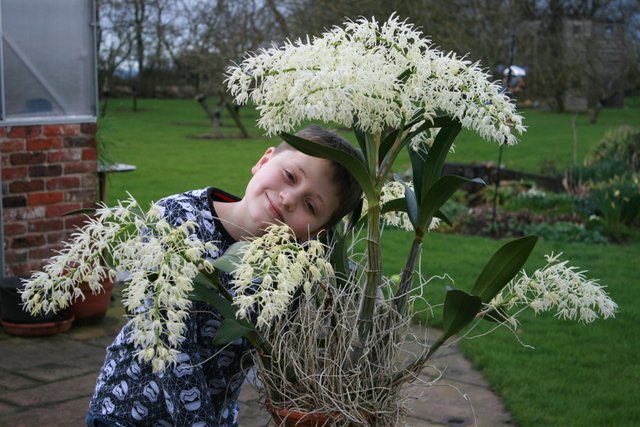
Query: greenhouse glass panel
x=48, y=55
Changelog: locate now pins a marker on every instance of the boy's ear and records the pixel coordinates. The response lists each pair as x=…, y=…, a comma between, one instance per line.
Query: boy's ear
x=264, y=159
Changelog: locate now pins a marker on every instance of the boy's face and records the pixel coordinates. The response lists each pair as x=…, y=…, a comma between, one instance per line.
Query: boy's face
x=292, y=188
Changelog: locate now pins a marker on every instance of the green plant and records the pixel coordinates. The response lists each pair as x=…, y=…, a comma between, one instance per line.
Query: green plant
x=618, y=201
x=362, y=316
x=565, y=232
x=622, y=145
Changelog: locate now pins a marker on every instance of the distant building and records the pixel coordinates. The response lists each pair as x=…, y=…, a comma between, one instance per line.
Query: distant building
x=587, y=59
x=597, y=48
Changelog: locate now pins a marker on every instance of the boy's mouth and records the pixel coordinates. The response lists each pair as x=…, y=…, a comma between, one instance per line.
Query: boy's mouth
x=274, y=209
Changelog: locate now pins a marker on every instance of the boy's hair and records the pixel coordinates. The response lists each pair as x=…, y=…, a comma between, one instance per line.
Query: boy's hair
x=349, y=191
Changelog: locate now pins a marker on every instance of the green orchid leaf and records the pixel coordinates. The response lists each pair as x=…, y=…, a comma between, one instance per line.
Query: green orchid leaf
x=417, y=166
x=404, y=76
x=361, y=137
x=230, y=330
x=411, y=202
x=502, y=267
x=443, y=120
x=388, y=142
x=438, y=194
x=438, y=121
x=83, y=211
x=438, y=153
x=352, y=163
x=228, y=261
x=339, y=260
x=203, y=291
x=460, y=309
x=398, y=205
x=441, y=215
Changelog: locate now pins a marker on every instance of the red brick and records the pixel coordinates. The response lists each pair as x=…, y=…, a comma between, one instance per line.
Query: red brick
x=28, y=158
x=24, y=131
x=58, y=237
x=3, y=132
x=63, y=183
x=79, y=141
x=47, y=224
x=12, y=145
x=89, y=154
x=45, y=170
x=28, y=241
x=42, y=253
x=67, y=155
x=91, y=205
x=80, y=167
x=75, y=221
x=11, y=173
x=14, y=201
x=89, y=128
x=14, y=228
x=81, y=195
x=28, y=213
x=13, y=257
x=20, y=269
x=89, y=180
x=26, y=186
x=43, y=143
x=64, y=130
x=62, y=209
x=37, y=199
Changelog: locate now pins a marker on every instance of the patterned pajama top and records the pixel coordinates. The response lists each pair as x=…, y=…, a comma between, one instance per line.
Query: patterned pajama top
x=202, y=389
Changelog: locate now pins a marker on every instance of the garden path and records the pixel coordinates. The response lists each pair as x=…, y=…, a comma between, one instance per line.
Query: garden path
x=48, y=381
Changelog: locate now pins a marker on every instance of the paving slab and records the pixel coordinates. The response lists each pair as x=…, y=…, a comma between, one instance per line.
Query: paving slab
x=52, y=392
x=11, y=381
x=66, y=414
x=48, y=381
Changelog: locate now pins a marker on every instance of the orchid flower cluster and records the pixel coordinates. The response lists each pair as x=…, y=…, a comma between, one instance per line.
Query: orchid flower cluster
x=556, y=286
x=272, y=268
x=382, y=74
x=160, y=260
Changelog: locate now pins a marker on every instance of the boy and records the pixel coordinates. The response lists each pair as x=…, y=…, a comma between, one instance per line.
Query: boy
x=310, y=195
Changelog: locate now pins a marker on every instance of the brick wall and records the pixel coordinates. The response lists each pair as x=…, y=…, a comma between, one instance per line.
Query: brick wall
x=47, y=171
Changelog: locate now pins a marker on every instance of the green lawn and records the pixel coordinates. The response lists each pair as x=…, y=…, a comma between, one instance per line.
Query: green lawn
x=577, y=374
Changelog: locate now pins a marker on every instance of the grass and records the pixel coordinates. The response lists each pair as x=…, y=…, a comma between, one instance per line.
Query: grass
x=576, y=375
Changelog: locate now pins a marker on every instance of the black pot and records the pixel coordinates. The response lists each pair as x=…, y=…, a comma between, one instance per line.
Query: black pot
x=11, y=304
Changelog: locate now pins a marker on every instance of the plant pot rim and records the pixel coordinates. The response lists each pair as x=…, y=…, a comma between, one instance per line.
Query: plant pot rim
x=38, y=329
x=293, y=417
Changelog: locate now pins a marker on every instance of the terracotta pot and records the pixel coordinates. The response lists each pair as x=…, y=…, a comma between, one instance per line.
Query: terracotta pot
x=94, y=307
x=58, y=324
x=287, y=418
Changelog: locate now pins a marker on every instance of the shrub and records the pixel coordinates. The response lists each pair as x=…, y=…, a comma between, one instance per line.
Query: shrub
x=565, y=232
x=620, y=145
x=618, y=202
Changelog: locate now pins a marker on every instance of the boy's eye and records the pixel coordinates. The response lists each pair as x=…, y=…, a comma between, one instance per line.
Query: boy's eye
x=289, y=175
x=310, y=206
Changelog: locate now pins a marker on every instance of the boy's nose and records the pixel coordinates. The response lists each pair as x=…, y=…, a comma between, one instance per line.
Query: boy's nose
x=288, y=200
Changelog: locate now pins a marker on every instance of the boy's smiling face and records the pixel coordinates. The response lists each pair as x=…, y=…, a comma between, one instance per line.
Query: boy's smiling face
x=292, y=188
